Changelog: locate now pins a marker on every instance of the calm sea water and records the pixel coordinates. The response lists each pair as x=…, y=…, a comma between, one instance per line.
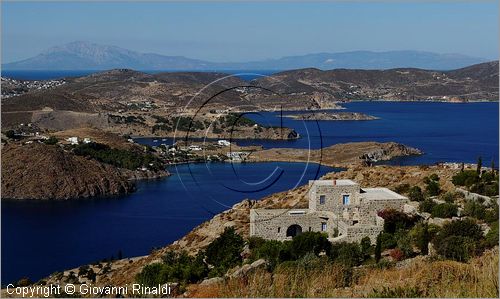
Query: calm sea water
x=39, y=238
x=445, y=132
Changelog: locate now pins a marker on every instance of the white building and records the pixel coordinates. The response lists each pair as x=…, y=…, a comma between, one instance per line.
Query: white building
x=72, y=140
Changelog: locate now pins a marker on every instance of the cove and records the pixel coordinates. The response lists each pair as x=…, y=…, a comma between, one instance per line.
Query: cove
x=39, y=238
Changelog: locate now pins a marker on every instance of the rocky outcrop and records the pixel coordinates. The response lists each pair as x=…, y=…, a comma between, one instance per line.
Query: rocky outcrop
x=339, y=155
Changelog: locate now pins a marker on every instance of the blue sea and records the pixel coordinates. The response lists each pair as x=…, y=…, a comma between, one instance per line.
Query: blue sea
x=39, y=238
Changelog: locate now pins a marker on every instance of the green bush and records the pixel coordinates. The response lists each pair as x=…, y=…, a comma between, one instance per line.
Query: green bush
x=387, y=241
x=421, y=237
x=444, y=210
x=176, y=267
x=432, y=185
x=457, y=248
x=304, y=243
x=426, y=206
x=459, y=240
x=491, y=238
x=51, y=140
x=272, y=251
x=474, y=209
x=224, y=252
x=465, y=178
x=415, y=194
x=348, y=254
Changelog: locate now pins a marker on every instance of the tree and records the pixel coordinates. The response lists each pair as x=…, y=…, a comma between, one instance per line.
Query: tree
x=366, y=245
x=493, y=167
x=224, y=252
x=378, y=248
x=479, y=165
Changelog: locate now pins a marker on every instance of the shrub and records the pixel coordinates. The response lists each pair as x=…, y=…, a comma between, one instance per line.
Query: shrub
x=152, y=274
x=403, y=188
x=444, y=210
x=176, y=267
x=459, y=240
x=348, y=254
x=491, y=214
x=491, y=238
x=474, y=209
x=387, y=241
x=415, y=194
x=304, y=243
x=421, y=237
x=271, y=251
x=404, y=243
x=426, y=206
x=224, y=252
x=457, y=248
x=449, y=197
x=465, y=178
x=366, y=246
x=432, y=185
x=51, y=140
x=396, y=254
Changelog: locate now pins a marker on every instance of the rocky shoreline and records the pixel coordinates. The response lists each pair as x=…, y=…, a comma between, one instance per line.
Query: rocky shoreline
x=335, y=116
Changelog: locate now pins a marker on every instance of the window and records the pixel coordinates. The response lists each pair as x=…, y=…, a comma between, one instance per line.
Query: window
x=323, y=226
x=321, y=199
x=345, y=199
x=279, y=229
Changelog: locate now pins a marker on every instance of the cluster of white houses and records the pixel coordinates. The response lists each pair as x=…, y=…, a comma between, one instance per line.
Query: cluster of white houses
x=340, y=208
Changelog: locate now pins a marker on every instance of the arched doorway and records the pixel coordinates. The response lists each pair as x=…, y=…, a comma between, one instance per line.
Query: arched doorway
x=293, y=230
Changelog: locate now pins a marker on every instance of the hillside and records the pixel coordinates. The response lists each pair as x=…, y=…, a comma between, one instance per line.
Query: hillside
x=64, y=176
x=473, y=83
x=38, y=171
x=131, y=102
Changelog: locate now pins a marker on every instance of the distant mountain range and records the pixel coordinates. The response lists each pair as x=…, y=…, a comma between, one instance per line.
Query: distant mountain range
x=91, y=56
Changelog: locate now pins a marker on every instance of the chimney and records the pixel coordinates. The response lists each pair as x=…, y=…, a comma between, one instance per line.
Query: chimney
x=334, y=182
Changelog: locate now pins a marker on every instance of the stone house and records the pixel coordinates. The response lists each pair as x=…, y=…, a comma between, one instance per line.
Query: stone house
x=340, y=208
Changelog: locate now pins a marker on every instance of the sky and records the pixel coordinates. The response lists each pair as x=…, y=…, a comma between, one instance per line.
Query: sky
x=238, y=32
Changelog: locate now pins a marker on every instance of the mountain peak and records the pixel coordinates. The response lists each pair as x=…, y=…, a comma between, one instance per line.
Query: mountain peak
x=84, y=55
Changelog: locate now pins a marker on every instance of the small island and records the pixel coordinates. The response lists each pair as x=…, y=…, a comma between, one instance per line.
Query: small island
x=331, y=116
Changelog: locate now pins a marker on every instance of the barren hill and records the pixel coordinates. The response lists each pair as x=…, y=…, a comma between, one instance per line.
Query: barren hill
x=39, y=171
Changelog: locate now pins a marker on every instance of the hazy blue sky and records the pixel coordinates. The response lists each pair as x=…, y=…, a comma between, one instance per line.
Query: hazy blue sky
x=248, y=31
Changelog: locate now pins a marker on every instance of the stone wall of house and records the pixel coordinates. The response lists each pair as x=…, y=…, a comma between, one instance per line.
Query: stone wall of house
x=369, y=208
x=273, y=224
x=333, y=196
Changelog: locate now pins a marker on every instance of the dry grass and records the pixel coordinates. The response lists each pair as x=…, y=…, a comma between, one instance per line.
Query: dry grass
x=478, y=278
